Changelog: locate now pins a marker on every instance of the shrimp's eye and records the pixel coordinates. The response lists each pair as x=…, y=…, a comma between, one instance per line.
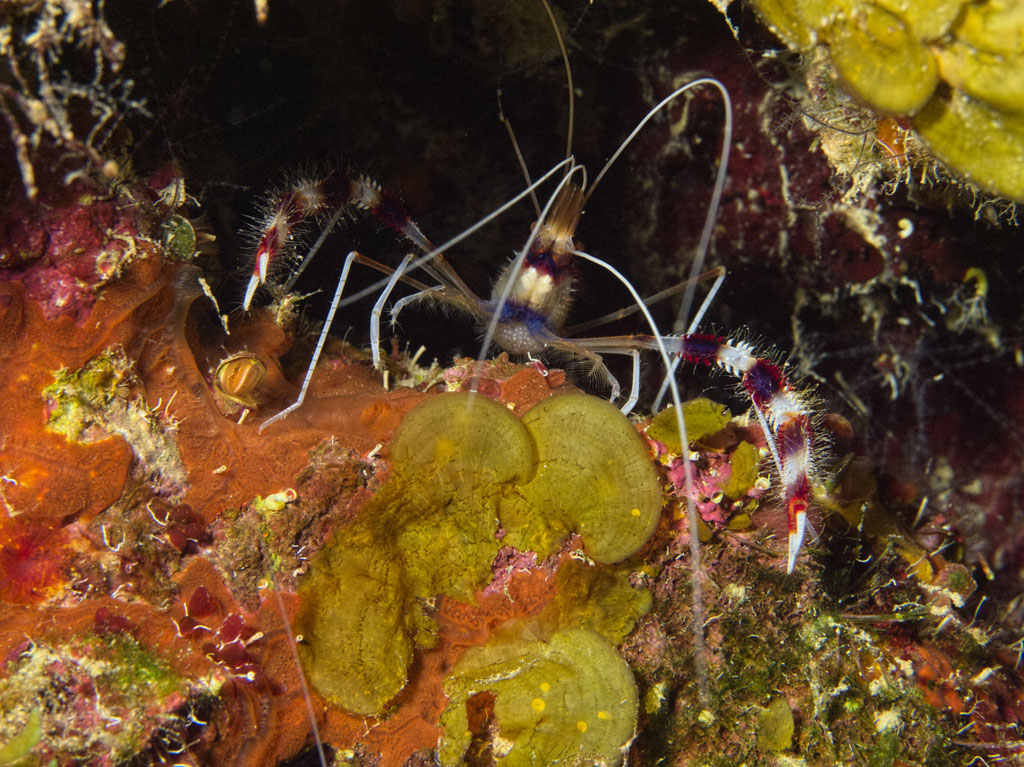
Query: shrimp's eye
x=238, y=376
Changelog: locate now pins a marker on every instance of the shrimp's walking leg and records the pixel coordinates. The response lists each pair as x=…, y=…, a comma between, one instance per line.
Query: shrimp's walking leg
x=378, y=309
x=319, y=343
x=784, y=411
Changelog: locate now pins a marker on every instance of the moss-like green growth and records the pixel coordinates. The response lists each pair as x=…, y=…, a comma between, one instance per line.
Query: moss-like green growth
x=87, y=700
x=597, y=598
x=983, y=76
x=179, y=239
x=986, y=144
x=452, y=457
x=882, y=62
x=105, y=398
x=744, y=463
x=553, y=688
x=794, y=678
x=360, y=645
x=76, y=397
x=15, y=750
x=570, y=699
x=430, y=530
x=450, y=436
x=459, y=464
x=996, y=26
x=954, y=68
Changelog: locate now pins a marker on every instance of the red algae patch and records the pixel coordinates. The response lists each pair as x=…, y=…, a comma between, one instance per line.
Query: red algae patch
x=33, y=560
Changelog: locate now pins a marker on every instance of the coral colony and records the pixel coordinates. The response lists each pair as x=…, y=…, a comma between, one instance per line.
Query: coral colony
x=939, y=71
x=484, y=562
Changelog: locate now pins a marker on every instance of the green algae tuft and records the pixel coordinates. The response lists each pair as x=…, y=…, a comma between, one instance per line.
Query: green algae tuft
x=20, y=745
x=744, y=464
x=569, y=699
x=775, y=727
x=984, y=142
x=88, y=700
x=104, y=398
x=450, y=436
x=702, y=417
x=598, y=598
x=882, y=62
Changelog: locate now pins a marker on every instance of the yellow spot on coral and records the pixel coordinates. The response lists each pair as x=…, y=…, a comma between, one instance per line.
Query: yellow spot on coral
x=545, y=686
x=538, y=704
x=635, y=512
x=444, y=449
x=602, y=715
x=581, y=726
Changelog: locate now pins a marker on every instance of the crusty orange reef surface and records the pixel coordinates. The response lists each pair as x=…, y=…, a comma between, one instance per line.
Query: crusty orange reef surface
x=154, y=549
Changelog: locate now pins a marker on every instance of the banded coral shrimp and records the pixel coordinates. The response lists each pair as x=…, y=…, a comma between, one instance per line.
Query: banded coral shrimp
x=529, y=303
x=527, y=309
x=247, y=434
x=706, y=353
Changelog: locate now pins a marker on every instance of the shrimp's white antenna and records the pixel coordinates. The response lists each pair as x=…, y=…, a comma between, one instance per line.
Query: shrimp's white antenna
x=716, y=195
x=302, y=679
x=426, y=258
x=697, y=589
x=568, y=77
x=518, y=152
x=572, y=109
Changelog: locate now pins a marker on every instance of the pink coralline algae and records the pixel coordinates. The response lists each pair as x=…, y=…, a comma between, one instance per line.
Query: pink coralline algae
x=63, y=255
x=707, y=485
x=725, y=472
